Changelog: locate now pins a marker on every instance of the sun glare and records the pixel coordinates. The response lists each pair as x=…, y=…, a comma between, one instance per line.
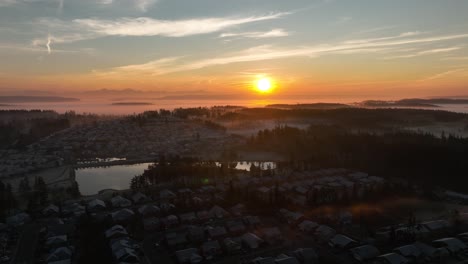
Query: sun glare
x=264, y=85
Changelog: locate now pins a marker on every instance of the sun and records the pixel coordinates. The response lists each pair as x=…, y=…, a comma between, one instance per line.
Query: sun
x=264, y=85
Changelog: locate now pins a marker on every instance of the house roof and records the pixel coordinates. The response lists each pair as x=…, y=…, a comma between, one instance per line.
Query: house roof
x=286, y=260
x=119, y=201
x=436, y=225
x=365, y=252
x=308, y=226
x=325, y=232
x=149, y=209
x=97, y=203
x=217, y=211
x=451, y=243
x=189, y=255
x=252, y=240
x=122, y=215
x=341, y=241
x=393, y=258
x=408, y=251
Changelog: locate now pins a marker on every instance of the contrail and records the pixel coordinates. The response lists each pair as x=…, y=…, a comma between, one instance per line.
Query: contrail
x=49, y=41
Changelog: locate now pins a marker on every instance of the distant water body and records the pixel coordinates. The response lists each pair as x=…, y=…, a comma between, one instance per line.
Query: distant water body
x=107, y=108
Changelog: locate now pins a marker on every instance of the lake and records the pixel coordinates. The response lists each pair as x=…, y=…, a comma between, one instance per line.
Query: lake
x=118, y=177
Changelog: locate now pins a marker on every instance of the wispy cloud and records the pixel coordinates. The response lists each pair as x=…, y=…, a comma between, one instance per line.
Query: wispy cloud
x=402, y=35
x=145, y=26
x=142, y=5
x=49, y=41
x=274, y=33
x=424, y=52
x=260, y=53
x=442, y=74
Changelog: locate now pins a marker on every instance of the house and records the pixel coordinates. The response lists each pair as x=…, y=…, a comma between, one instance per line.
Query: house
x=196, y=234
x=305, y=255
x=308, y=226
x=139, y=198
x=272, y=235
x=167, y=195
x=436, y=226
x=284, y=259
x=236, y=227
x=73, y=209
x=411, y=252
x=151, y=224
x=364, y=253
x=56, y=241
x=251, y=240
x=261, y=260
x=120, y=202
x=428, y=252
x=189, y=255
x=170, y=221
x=116, y=231
x=96, y=205
x=122, y=216
x=18, y=219
x=187, y=218
x=453, y=245
x=149, y=210
x=126, y=255
x=342, y=242
x=60, y=254
x=211, y=249
x=391, y=258
x=237, y=210
x=232, y=245
x=51, y=210
x=293, y=218
x=217, y=232
x=166, y=207
x=324, y=233
x=176, y=240
x=203, y=215
x=218, y=212
x=252, y=221
x=123, y=243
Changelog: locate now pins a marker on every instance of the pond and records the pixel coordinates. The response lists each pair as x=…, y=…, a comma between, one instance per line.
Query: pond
x=118, y=177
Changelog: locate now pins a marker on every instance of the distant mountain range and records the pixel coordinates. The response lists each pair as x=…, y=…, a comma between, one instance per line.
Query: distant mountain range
x=132, y=103
x=309, y=106
x=414, y=102
x=36, y=99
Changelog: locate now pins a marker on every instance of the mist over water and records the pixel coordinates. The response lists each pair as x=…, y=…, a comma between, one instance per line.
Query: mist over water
x=106, y=107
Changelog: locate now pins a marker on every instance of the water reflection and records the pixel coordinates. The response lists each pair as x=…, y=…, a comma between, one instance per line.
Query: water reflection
x=118, y=177
x=93, y=180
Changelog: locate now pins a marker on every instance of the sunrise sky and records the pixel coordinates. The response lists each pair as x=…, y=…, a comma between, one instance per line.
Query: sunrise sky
x=396, y=48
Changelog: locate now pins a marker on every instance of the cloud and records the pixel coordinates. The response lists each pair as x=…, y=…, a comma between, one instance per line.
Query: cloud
x=369, y=40
x=424, y=52
x=8, y=2
x=442, y=74
x=145, y=26
x=259, y=53
x=144, y=4
x=274, y=33
x=49, y=41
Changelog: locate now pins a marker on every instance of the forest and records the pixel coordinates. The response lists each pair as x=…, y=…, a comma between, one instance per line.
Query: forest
x=423, y=158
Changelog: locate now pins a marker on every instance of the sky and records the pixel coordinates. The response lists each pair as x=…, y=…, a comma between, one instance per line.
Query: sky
x=359, y=48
